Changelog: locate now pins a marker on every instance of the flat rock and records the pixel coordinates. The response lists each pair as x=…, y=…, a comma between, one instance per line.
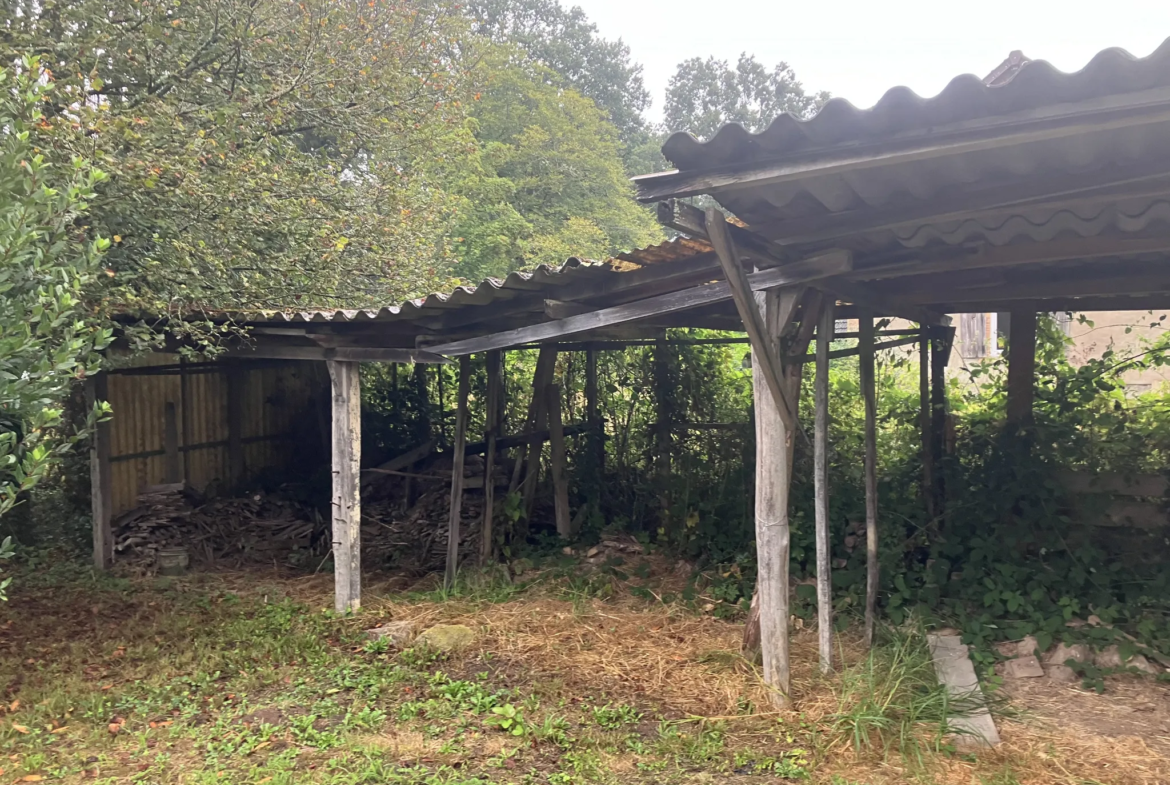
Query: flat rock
x=397, y=633
x=1065, y=652
x=1140, y=662
x=447, y=638
x=1109, y=657
x=1061, y=674
x=1021, y=668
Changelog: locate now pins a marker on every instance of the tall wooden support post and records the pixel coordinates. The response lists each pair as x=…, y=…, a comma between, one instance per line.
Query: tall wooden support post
x=821, y=491
x=773, y=475
x=345, y=378
x=1021, y=366
x=101, y=490
x=558, y=460
x=664, y=399
x=173, y=463
x=593, y=415
x=940, y=351
x=546, y=366
x=924, y=419
x=459, y=448
x=235, y=423
x=869, y=394
x=495, y=395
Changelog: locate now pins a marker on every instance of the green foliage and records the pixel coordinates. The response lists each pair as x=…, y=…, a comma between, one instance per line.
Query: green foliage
x=49, y=335
x=509, y=719
x=705, y=95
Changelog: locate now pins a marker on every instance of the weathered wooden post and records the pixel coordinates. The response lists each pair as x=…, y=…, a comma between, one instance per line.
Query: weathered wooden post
x=940, y=352
x=495, y=394
x=869, y=393
x=1021, y=379
x=821, y=490
x=459, y=449
x=924, y=419
x=558, y=460
x=101, y=490
x=345, y=378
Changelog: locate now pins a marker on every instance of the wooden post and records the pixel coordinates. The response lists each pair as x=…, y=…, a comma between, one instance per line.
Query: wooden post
x=345, y=378
x=1021, y=365
x=940, y=351
x=101, y=491
x=556, y=440
x=773, y=475
x=593, y=415
x=663, y=398
x=459, y=447
x=174, y=469
x=494, y=400
x=869, y=394
x=546, y=365
x=235, y=425
x=924, y=419
x=821, y=491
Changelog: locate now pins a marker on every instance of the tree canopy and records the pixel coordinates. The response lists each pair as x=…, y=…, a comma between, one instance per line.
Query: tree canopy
x=704, y=95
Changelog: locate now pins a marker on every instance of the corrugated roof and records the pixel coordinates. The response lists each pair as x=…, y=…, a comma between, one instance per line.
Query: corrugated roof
x=901, y=110
x=544, y=278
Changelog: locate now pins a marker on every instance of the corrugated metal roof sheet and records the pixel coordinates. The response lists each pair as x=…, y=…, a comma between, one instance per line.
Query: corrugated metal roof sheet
x=900, y=110
x=490, y=290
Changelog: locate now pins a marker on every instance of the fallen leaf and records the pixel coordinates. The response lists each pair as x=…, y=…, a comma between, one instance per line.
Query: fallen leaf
x=261, y=746
x=20, y=729
x=114, y=728
x=62, y=729
x=31, y=778
x=14, y=705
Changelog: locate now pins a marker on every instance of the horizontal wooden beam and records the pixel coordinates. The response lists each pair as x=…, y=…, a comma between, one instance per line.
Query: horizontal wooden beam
x=812, y=269
x=345, y=353
x=1046, y=287
x=854, y=351
x=1046, y=123
x=690, y=220
x=880, y=304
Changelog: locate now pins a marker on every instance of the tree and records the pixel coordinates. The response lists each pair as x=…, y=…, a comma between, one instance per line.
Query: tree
x=545, y=178
x=568, y=43
x=262, y=154
x=705, y=95
x=49, y=337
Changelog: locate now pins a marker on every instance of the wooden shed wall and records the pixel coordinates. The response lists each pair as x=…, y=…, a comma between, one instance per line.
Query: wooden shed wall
x=278, y=402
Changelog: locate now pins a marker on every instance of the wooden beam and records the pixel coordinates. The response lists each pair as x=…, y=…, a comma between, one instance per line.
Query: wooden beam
x=1021, y=381
x=1048, y=286
x=542, y=377
x=101, y=495
x=869, y=396
x=593, y=418
x=558, y=461
x=942, y=338
x=773, y=477
x=814, y=268
x=345, y=378
x=821, y=491
x=460, y=442
x=880, y=304
x=765, y=347
x=495, y=394
x=690, y=220
x=402, y=461
x=356, y=354
x=837, y=354
x=1036, y=125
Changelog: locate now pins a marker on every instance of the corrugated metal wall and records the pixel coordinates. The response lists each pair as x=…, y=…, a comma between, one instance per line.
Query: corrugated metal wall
x=278, y=412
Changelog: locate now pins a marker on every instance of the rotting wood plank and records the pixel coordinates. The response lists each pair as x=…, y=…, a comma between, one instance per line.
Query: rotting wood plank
x=495, y=373
x=458, y=448
x=869, y=395
x=1041, y=124
x=811, y=269
x=101, y=488
x=774, y=443
x=952, y=664
x=558, y=461
x=1021, y=381
x=821, y=491
x=345, y=378
x=765, y=348
x=402, y=461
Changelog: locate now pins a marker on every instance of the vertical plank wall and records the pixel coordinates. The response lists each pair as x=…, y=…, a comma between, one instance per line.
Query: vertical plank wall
x=277, y=403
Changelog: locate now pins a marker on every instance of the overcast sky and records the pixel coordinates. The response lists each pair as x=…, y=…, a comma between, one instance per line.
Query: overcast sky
x=858, y=49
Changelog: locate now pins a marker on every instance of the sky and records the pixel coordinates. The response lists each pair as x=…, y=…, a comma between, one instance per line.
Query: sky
x=858, y=49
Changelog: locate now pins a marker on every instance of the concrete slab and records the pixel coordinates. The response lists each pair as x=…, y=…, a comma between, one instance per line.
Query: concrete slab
x=955, y=671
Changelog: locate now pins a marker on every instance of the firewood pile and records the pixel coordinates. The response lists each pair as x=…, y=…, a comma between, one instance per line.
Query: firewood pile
x=261, y=528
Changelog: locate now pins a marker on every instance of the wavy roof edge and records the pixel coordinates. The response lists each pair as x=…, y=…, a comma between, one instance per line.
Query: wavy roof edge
x=488, y=289
x=900, y=109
